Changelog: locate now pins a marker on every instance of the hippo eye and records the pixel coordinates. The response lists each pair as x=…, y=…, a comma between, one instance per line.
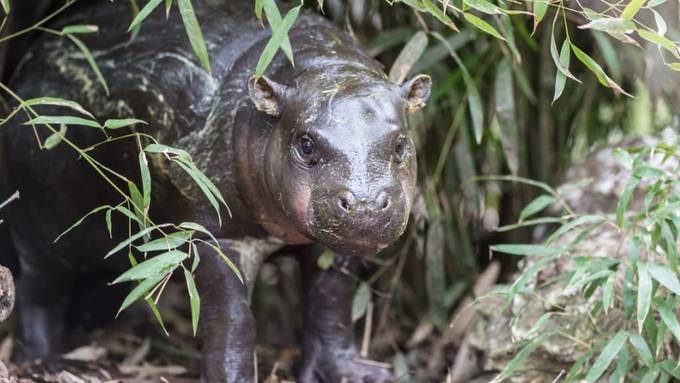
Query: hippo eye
x=400, y=151
x=306, y=145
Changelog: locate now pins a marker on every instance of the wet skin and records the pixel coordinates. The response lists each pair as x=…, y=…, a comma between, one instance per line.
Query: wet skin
x=312, y=156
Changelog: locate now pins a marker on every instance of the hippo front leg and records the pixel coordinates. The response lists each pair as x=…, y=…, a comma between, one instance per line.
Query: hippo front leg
x=329, y=353
x=227, y=327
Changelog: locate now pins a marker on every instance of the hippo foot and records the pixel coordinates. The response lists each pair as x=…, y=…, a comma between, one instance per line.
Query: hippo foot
x=329, y=367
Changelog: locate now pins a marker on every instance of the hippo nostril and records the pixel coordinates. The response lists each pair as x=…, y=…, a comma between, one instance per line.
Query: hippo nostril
x=346, y=201
x=344, y=204
x=383, y=201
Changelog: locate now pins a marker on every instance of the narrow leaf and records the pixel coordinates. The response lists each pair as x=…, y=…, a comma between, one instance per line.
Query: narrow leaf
x=121, y=123
x=194, y=300
x=408, y=57
x=159, y=264
x=482, y=25
x=90, y=60
x=606, y=356
x=193, y=29
x=66, y=120
x=278, y=36
x=150, y=6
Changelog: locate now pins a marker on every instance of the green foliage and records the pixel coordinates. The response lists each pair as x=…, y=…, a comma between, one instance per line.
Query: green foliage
x=652, y=266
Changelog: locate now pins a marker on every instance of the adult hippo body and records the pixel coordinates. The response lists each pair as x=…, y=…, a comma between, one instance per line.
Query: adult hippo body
x=316, y=154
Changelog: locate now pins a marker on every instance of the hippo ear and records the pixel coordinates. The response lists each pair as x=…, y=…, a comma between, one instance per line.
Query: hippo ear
x=266, y=94
x=416, y=92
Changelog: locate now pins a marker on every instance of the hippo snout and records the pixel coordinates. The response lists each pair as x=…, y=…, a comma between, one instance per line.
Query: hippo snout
x=349, y=203
x=358, y=223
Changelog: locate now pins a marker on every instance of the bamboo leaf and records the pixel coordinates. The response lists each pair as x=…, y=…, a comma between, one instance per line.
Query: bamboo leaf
x=632, y=9
x=644, y=296
x=540, y=8
x=482, y=25
x=133, y=238
x=605, y=358
x=146, y=180
x=526, y=249
x=278, y=36
x=78, y=222
x=474, y=99
x=66, y=120
x=483, y=6
x=665, y=277
x=55, y=138
x=121, y=123
x=360, y=301
x=90, y=60
x=641, y=347
x=194, y=300
x=659, y=40
x=193, y=29
x=408, y=57
x=146, y=10
x=535, y=206
x=80, y=29
x=274, y=18
x=55, y=101
x=160, y=264
x=521, y=356
x=140, y=290
x=594, y=67
x=171, y=241
x=668, y=316
x=5, y=6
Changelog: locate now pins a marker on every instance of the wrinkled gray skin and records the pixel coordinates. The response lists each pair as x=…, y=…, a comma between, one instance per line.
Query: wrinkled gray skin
x=351, y=193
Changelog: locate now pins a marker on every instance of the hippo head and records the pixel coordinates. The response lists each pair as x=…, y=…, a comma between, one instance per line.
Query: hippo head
x=341, y=161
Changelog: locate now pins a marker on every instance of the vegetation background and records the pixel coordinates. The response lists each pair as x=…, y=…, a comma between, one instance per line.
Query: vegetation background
x=521, y=90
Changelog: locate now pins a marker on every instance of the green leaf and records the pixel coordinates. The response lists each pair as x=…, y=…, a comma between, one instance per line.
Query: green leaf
x=140, y=290
x=581, y=220
x=5, y=6
x=278, y=36
x=171, y=241
x=624, y=158
x=149, y=301
x=90, y=60
x=121, y=123
x=506, y=115
x=535, y=206
x=66, y=120
x=274, y=18
x=474, y=99
x=482, y=25
x=259, y=6
x=606, y=356
x=526, y=249
x=665, y=277
x=226, y=260
x=608, y=293
x=150, y=6
x=193, y=172
x=540, y=8
x=197, y=227
x=133, y=238
x=160, y=264
x=622, y=205
x=167, y=150
x=325, y=260
x=360, y=301
x=610, y=25
x=93, y=211
x=146, y=180
x=56, y=102
x=168, y=5
x=659, y=40
x=521, y=356
x=641, y=347
x=80, y=29
x=408, y=57
x=194, y=299
x=484, y=6
x=197, y=257
x=644, y=296
x=668, y=316
x=55, y=138
x=109, y=227
x=194, y=33
x=632, y=9
x=560, y=76
x=529, y=222
x=434, y=10
x=594, y=67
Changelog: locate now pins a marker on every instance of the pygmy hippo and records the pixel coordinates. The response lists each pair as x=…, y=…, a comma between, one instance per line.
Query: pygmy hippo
x=313, y=155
